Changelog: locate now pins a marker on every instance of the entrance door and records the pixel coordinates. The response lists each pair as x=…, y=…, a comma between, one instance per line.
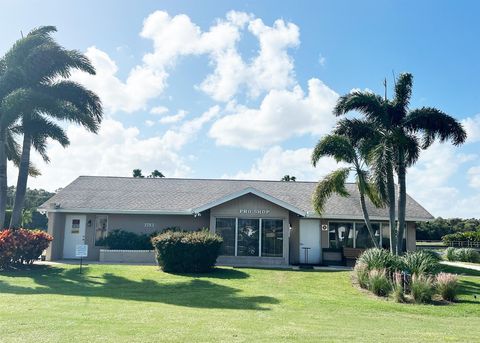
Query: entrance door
x=310, y=251
x=74, y=234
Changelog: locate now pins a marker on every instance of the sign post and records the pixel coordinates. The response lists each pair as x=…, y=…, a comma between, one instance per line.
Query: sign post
x=81, y=250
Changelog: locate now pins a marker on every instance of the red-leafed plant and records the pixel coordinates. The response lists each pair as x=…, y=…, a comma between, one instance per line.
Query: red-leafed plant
x=22, y=246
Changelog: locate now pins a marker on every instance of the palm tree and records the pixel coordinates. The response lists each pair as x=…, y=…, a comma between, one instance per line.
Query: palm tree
x=44, y=68
x=156, y=174
x=401, y=133
x=346, y=150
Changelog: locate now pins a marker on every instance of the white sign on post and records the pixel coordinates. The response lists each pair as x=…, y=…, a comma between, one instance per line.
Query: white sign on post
x=81, y=250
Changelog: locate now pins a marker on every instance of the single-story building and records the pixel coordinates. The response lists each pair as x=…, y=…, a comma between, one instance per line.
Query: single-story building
x=261, y=222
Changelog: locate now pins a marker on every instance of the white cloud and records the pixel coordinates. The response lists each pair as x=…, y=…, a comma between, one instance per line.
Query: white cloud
x=141, y=85
x=474, y=176
x=277, y=162
x=173, y=118
x=115, y=151
x=472, y=126
x=428, y=181
x=281, y=115
x=149, y=123
x=322, y=60
x=159, y=110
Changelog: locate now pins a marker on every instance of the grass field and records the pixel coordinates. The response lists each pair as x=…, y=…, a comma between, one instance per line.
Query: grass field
x=141, y=304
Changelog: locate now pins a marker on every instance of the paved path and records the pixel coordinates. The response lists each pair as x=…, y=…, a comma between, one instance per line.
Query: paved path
x=462, y=265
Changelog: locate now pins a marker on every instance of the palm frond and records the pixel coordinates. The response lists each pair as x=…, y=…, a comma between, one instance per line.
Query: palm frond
x=435, y=124
x=403, y=91
x=355, y=129
x=336, y=146
x=379, y=162
x=332, y=183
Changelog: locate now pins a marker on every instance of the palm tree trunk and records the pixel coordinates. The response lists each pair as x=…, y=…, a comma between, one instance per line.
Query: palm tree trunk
x=366, y=217
x=391, y=206
x=402, y=200
x=3, y=179
x=21, y=182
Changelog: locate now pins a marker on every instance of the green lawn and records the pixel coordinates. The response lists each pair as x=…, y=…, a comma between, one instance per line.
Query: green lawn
x=141, y=304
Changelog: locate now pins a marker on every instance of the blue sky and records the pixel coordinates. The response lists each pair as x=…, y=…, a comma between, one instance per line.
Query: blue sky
x=245, y=89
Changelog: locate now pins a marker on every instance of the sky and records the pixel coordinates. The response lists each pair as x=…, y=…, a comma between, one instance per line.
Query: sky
x=245, y=89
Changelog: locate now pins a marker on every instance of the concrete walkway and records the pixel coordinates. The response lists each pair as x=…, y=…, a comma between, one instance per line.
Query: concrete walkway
x=472, y=266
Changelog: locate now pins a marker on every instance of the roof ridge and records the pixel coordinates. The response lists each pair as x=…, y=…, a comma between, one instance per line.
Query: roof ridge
x=198, y=179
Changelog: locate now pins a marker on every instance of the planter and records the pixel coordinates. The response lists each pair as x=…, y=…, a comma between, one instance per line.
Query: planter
x=127, y=256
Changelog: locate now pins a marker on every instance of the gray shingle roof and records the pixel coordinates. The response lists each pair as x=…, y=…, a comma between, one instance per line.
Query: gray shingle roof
x=180, y=195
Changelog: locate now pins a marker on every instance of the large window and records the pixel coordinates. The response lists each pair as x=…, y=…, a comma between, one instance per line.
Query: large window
x=363, y=238
x=101, y=228
x=225, y=227
x=341, y=235
x=272, y=237
x=248, y=237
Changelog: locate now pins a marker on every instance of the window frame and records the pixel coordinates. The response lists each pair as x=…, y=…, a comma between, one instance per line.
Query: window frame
x=95, y=228
x=260, y=232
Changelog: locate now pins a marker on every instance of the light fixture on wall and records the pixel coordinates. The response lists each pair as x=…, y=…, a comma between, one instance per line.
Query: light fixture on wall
x=89, y=223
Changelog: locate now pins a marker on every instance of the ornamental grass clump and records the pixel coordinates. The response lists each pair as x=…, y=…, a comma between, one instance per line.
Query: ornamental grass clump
x=377, y=258
x=422, y=288
x=378, y=282
x=447, y=286
x=361, y=275
x=420, y=262
x=398, y=289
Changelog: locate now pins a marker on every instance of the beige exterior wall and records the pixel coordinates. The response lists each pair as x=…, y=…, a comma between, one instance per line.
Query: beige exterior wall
x=56, y=228
x=128, y=222
x=232, y=209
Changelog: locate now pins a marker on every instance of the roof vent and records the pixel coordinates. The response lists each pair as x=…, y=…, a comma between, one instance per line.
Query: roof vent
x=54, y=205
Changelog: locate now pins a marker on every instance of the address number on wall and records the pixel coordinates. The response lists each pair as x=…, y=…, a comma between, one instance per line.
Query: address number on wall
x=149, y=225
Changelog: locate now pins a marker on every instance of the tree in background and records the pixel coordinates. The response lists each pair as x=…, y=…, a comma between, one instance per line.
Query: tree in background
x=137, y=173
x=156, y=174
x=288, y=178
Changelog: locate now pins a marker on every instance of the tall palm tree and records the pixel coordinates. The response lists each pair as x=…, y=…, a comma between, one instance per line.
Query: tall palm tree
x=346, y=150
x=45, y=68
x=401, y=134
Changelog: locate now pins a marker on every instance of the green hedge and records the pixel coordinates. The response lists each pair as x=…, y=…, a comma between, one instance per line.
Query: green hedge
x=187, y=252
x=125, y=240
x=469, y=236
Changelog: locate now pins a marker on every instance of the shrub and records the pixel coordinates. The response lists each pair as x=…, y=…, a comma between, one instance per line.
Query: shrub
x=187, y=252
x=467, y=255
x=422, y=288
x=125, y=240
x=361, y=275
x=462, y=254
x=450, y=253
x=420, y=262
x=22, y=246
x=447, y=286
x=468, y=236
x=378, y=282
x=380, y=259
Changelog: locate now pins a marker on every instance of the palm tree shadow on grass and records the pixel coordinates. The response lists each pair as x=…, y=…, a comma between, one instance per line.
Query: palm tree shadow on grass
x=193, y=292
